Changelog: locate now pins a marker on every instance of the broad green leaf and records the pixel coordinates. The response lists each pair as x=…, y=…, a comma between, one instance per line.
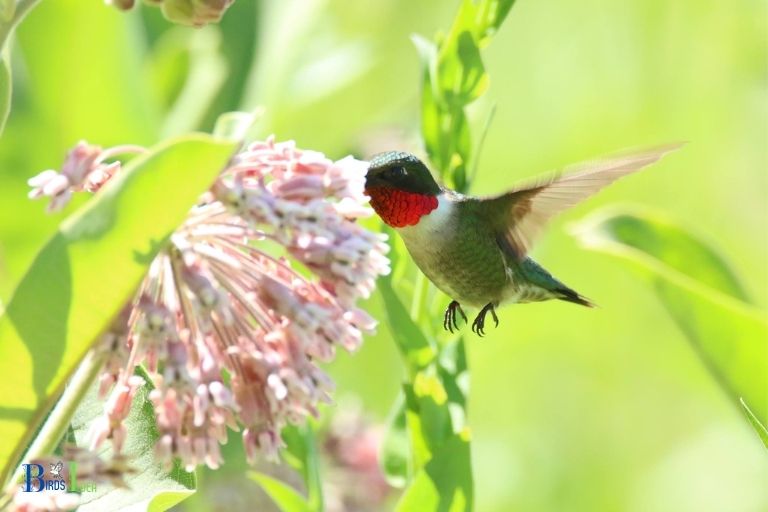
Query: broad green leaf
x=301, y=453
x=701, y=293
x=286, y=497
x=86, y=273
x=151, y=487
x=762, y=432
x=445, y=483
x=676, y=248
x=164, y=501
x=395, y=458
x=88, y=85
x=412, y=343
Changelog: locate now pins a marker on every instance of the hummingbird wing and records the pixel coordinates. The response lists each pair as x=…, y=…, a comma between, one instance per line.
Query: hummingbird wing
x=522, y=212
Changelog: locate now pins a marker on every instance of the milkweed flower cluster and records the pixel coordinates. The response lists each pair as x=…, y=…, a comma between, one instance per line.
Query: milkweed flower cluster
x=354, y=480
x=257, y=285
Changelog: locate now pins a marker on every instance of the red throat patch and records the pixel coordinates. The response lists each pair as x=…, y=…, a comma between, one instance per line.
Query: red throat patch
x=399, y=208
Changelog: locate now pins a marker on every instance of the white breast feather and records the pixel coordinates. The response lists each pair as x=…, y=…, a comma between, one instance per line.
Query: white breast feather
x=431, y=227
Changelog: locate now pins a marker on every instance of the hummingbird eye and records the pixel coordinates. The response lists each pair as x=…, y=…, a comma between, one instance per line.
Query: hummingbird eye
x=396, y=172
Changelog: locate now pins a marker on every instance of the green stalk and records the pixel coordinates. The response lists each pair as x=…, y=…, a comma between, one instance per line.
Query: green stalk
x=418, y=290
x=58, y=421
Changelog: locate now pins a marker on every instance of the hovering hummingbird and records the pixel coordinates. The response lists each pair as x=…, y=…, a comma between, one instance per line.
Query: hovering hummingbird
x=475, y=248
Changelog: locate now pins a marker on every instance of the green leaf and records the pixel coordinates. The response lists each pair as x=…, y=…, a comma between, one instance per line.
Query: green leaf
x=234, y=125
x=164, y=501
x=105, y=103
x=286, y=497
x=151, y=487
x=701, y=293
x=453, y=372
x=428, y=416
x=762, y=432
x=86, y=273
x=460, y=148
x=427, y=398
x=444, y=124
x=461, y=76
x=419, y=447
x=673, y=245
x=445, y=483
x=490, y=16
x=395, y=456
x=412, y=343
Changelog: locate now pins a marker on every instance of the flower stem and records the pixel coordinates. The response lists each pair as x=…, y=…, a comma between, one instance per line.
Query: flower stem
x=58, y=421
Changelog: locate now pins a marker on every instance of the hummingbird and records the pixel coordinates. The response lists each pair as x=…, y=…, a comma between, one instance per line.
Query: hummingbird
x=475, y=249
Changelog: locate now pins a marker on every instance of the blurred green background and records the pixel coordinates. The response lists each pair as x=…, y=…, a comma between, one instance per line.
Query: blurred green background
x=571, y=409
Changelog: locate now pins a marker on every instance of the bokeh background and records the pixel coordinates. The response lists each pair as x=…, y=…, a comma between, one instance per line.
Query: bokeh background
x=571, y=409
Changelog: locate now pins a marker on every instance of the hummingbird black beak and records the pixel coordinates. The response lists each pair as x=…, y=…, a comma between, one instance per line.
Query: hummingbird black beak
x=372, y=178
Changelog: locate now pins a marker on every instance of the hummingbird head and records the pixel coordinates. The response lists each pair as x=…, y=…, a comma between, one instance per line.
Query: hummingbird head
x=401, y=171
x=401, y=188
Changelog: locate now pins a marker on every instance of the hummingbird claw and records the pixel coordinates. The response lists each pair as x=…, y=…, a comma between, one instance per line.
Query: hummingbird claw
x=478, y=326
x=450, y=321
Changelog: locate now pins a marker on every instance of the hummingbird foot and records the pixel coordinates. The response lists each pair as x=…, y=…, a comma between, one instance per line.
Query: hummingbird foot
x=449, y=320
x=478, y=326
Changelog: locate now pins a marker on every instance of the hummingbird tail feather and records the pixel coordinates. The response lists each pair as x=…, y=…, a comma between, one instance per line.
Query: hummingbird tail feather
x=569, y=295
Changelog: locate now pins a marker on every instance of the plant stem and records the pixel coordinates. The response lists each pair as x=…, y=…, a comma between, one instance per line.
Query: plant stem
x=418, y=289
x=56, y=424
x=480, y=144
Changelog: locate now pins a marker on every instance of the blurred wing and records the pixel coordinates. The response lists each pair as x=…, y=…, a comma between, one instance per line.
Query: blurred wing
x=524, y=211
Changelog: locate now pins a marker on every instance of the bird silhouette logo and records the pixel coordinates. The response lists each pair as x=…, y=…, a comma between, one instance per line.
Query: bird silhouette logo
x=56, y=469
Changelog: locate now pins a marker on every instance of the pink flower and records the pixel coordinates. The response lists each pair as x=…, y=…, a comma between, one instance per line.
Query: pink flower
x=186, y=12
x=229, y=330
x=83, y=169
x=355, y=480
